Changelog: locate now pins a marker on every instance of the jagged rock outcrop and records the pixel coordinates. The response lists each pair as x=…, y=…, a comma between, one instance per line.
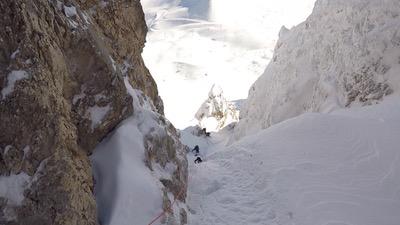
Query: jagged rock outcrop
x=62, y=91
x=345, y=54
x=216, y=112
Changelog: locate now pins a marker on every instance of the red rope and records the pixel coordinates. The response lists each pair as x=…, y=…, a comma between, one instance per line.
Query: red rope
x=169, y=208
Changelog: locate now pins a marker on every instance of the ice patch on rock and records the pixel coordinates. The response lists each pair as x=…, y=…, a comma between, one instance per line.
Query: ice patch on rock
x=6, y=149
x=14, y=54
x=70, y=11
x=26, y=151
x=97, y=114
x=114, y=66
x=12, y=78
x=12, y=188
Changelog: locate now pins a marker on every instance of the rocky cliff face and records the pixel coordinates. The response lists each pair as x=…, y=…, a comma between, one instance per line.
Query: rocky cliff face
x=344, y=55
x=62, y=65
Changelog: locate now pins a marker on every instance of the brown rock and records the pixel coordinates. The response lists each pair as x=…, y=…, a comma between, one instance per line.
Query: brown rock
x=74, y=95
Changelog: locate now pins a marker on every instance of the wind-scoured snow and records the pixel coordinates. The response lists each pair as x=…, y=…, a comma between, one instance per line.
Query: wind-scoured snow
x=341, y=168
x=345, y=54
x=193, y=44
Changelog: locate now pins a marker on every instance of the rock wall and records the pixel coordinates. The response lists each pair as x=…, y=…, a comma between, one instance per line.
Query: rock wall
x=62, y=91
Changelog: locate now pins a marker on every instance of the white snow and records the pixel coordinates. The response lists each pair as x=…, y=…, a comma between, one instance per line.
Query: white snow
x=97, y=114
x=73, y=24
x=216, y=91
x=12, y=188
x=344, y=48
x=12, y=78
x=40, y=171
x=193, y=44
x=99, y=97
x=28, y=61
x=70, y=11
x=113, y=64
x=77, y=97
x=86, y=18
x=125, y=67
x=126, y=191
x=6, y=149
x=59, y=5
x=321, y=169
x=14, y=54
x=26, y=150
x=103, y=3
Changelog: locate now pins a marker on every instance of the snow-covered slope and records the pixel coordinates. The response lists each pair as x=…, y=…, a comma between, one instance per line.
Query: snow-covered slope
x=193, y=44
x=345, y=54
x=140, y=169
x=341, y=168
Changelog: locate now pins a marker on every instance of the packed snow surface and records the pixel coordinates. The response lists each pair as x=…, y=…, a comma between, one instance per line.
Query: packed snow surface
x=193, y=44
x=341, y=168
x=345, y=54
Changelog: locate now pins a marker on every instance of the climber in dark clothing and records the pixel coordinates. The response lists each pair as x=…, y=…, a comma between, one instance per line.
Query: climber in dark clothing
x=198, y=160
x=207, y=134
x=196, y=150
